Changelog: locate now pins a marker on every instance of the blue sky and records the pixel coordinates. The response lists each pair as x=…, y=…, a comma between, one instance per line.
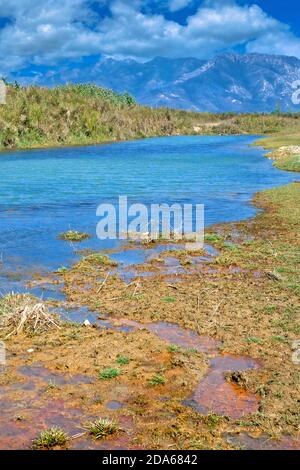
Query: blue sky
x=64, y=36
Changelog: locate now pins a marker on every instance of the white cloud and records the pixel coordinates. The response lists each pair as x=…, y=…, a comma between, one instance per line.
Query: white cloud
x=277, y=42
x=45, y=32
x=176, y=5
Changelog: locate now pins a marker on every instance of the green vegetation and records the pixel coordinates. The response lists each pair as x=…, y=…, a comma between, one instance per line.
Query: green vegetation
x=213, y=238
x=79, y=115
x=85, y=114
x=102, y=428
x=62, y=270
x=51, y=438
x=122, y=360
x=157, y=379
x=73, y=236
x=285, y=149
x=99, y=259
x=173, y=348
x=109, y=373
x=169, y=299
x=253, y=339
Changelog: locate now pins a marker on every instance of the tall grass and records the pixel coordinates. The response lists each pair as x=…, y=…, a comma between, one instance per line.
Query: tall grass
x=83, y=114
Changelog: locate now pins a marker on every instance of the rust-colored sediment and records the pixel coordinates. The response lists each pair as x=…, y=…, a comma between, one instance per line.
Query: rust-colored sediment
x=215, y=394
x=184, y=338
x=25, y=409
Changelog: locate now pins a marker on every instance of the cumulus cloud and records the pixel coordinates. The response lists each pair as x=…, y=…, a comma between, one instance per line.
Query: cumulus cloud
x=176, y=5
x=46, y=32
x=277, y=42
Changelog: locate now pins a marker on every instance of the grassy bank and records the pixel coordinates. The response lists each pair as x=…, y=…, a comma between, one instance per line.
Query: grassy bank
x=85, y=114
x=285, y=149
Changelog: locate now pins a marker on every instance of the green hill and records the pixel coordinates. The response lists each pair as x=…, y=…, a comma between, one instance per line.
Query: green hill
x=86, y=114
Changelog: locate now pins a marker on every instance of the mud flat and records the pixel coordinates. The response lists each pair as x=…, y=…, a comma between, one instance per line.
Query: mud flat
x=192, y=359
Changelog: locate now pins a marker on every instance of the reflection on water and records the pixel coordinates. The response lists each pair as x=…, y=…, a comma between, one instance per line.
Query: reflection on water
x=45, y=192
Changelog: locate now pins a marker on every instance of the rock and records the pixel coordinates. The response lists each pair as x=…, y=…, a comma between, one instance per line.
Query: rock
x=274, y=276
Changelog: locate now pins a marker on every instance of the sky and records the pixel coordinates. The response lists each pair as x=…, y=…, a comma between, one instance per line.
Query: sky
x=46, y=36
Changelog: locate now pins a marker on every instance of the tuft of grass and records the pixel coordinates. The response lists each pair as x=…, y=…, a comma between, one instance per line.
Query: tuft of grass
x=191, y=351
x=62, y=270
x=50, y=438
x=173, y=348
x=212, y=237
x=279, y=339
x=122, y=360
x=213, y=420
x=157, y=379
x=102, y=428
x=254, y=339
x=99, y=259
x=109, y=373
x=169, y=300
x=73, y=236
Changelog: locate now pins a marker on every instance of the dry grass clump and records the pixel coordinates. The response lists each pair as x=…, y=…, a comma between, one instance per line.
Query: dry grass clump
x=23, y=313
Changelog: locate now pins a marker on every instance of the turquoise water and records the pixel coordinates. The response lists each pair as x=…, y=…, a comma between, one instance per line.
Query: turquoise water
x=45, y=192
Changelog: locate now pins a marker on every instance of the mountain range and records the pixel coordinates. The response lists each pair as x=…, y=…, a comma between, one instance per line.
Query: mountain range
x=227, y=83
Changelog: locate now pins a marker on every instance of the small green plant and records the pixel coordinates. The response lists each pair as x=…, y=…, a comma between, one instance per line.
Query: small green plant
x=62, y=270
x=253, y=339
x=212, y=237
x=73, y=236
x=270, y=309
x=109, y=373
x=102, y=428
x=279, y=339
x=122, y=360
x=50, y=438
x=99, y=260
x=157, y=379
x=191, y=351
x=213, y=420
x=173, y=348
x=169, y=299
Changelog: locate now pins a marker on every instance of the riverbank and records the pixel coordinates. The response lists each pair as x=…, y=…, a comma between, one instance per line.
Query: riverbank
x=85, y=114
x=285, y=150
x=169, y=387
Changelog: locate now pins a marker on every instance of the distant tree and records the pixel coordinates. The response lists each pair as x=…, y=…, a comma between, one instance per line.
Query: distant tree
x=129, y=100
x=277, y=109
x=4, y=80
x=17, y=85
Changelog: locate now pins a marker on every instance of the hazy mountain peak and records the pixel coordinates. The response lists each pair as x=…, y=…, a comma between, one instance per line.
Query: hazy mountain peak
x=228, y=82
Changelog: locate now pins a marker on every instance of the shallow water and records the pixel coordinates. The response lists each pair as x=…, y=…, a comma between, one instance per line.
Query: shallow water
x=215, y=394
x=45, y=192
